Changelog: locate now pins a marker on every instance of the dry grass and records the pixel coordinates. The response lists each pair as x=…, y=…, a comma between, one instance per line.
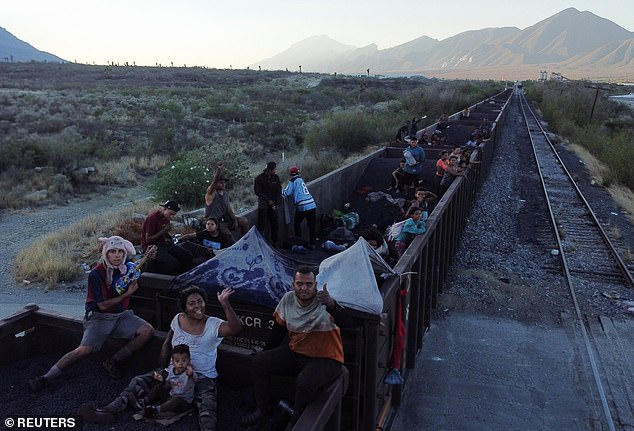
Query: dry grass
x=624, y=199
x=599, y=171
x=58, y=256
x=39, y=187
x=622, y=195
x=124, y=171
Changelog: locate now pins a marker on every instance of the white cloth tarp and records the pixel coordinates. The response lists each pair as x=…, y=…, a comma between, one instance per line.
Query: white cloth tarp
x=350, y=277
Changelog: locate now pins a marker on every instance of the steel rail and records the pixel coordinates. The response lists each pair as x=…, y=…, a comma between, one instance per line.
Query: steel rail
x=586, y=339
x=627, y=275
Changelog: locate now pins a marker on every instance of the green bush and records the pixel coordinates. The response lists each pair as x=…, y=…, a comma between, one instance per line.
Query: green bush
x=346, y=132
x=187, y=178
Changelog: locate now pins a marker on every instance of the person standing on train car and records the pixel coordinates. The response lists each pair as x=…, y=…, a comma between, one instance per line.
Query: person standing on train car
x=305, y=206
x=414, y=159
x=309, y=321
x=267, y=188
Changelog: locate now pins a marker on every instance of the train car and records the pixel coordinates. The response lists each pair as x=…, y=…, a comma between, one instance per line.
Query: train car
x=381, y=348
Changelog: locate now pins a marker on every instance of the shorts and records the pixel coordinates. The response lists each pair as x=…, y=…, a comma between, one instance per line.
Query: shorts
x=99, y=326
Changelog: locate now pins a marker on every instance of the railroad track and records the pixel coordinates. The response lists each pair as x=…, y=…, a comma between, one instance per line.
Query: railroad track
x=590, y=262
x=588, y=254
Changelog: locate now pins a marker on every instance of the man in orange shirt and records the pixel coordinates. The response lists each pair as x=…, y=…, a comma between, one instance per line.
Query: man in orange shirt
x=314, y=351
x=441, y=165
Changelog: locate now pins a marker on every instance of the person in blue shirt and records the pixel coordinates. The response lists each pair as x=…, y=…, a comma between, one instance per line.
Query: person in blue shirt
x=412, y=227
x=305, y=206
x=414, y=159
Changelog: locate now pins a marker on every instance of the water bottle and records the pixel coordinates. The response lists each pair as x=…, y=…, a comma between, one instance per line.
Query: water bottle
x=331, y=246
x=298, y=249
x=286, y=407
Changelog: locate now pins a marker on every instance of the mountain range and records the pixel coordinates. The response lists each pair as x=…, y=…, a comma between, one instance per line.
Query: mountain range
x=572, y=43
x=13, y=49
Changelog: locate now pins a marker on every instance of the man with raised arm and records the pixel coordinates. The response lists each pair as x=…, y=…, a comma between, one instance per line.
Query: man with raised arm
x=314, y=351
x=218, y=204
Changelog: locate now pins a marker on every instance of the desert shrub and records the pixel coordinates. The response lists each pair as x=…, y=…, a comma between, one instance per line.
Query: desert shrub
x=114, y=172
x=146, y=165
x=620, y=152
x=69, y=117
x=346, y=132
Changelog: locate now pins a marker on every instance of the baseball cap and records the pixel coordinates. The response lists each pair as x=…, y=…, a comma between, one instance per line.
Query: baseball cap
x=172, y=206
x=294, y=170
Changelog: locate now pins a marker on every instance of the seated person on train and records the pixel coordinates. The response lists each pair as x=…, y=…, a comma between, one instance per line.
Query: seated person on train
x=205, y=243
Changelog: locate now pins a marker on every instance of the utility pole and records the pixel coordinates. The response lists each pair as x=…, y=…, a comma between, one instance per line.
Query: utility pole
x=597, y=87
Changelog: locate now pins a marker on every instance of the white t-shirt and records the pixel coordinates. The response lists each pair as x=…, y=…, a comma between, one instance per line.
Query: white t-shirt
x=203, y=348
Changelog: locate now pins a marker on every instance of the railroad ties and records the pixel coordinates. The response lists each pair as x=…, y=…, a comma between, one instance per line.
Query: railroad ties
x=590, y=263
x=589, y=252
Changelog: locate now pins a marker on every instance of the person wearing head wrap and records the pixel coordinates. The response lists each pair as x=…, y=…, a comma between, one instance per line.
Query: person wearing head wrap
x=305, y=206
x=107, y=315
x=267, y=188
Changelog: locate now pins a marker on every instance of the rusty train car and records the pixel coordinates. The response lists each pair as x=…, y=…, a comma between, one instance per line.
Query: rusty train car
x=361, y=399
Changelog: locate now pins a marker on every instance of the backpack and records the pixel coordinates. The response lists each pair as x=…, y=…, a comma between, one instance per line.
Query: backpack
x=394, y=230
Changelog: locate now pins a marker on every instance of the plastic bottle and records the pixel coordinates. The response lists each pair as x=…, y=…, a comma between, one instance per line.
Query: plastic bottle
x=286, y=407
x=331, y=246
x=298, y=249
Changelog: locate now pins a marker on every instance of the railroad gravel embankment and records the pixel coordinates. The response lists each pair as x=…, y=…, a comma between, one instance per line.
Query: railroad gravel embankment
x=504, y=266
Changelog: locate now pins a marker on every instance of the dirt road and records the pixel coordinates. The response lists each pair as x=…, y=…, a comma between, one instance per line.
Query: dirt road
x=22, y=228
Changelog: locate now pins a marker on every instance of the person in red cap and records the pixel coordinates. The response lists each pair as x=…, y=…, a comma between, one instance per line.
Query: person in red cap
x=107, y=315
x=305, y=206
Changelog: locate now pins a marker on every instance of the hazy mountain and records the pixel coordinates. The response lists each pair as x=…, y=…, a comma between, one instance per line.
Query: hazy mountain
x=579, y=43
x=13, y=49
x=565, y=35
x=312, y=53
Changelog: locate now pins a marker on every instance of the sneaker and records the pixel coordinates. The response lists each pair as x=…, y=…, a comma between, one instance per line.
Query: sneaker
x=112, y=369
x=149, y=411
x=134, y=403
x=252, y=418
x=37, y=384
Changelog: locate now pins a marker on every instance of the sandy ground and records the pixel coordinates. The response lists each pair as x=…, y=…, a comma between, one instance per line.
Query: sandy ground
x=22, y=228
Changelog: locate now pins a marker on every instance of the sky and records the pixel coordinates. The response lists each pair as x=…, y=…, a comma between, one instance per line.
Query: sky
x=235, y=34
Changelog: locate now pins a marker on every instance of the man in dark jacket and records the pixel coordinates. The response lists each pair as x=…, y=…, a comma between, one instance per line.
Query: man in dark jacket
x=268, y=188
